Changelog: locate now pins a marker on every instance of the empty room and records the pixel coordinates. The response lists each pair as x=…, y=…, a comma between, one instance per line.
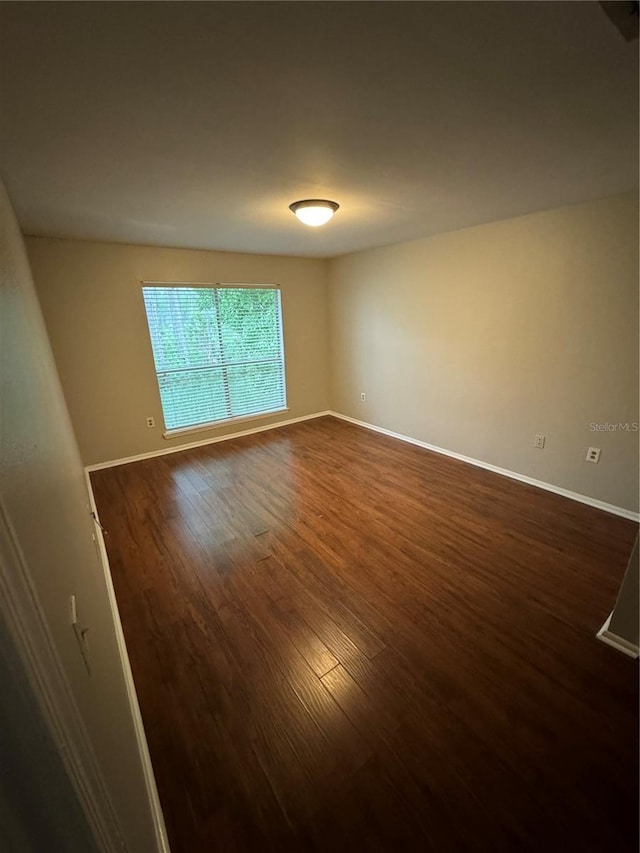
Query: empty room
x=319, y=459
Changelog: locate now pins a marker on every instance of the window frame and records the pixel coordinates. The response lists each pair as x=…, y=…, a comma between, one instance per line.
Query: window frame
x=201, y=427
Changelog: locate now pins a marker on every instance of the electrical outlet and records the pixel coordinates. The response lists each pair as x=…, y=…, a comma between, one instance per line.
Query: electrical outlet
x=151, y=422
x=539, y=441
x=593, y=454
x=363, y=397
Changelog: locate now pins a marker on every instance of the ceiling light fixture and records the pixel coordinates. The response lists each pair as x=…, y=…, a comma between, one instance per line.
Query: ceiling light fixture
x=314, y=211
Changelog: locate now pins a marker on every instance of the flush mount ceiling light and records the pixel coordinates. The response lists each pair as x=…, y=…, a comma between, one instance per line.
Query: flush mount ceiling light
x=314, y=211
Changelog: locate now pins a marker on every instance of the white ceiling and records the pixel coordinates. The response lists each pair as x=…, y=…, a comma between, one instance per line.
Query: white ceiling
x=196, y=124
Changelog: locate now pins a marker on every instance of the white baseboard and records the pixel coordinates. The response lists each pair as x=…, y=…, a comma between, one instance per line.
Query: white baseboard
x=478, y=463
x=617, y=642
x=162, y=841
x=513, y=475
x=140, y=456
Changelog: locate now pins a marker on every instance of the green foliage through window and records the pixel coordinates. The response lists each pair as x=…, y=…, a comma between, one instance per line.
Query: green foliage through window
x=218, y=352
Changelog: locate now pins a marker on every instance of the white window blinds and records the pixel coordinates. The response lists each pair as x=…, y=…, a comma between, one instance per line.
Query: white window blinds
x=218, y=352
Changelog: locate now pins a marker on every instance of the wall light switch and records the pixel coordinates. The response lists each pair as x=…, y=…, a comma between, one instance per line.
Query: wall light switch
x=81, y=632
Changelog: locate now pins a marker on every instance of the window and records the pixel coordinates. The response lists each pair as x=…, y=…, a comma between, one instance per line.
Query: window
x=218, y=352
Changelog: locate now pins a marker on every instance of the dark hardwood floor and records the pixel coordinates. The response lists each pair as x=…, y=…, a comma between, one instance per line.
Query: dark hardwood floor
x=341, y=642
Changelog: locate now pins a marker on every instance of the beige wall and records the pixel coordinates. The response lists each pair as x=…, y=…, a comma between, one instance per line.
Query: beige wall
x=92, y=302
x=473, y=341
x=44, y=499
x=476, y=340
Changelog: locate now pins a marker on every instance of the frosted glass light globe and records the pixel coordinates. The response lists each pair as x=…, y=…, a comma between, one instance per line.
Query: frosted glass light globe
x=314, y=211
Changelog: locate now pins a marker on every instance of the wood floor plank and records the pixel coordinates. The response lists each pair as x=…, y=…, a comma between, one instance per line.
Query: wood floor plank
x=343, y=642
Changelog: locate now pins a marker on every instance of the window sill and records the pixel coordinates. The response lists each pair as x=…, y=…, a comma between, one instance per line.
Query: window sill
x=174, y=433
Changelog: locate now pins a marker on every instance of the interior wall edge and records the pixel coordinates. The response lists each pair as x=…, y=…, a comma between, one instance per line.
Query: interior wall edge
x=616, y=641
x=45, y=502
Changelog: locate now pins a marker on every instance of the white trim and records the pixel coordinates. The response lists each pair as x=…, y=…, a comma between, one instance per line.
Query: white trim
x=616, y=641
x=241, y=419
x=505, y=472
x=143, y=747
x=231, y=284
x=28, y=627
x=150, y=455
